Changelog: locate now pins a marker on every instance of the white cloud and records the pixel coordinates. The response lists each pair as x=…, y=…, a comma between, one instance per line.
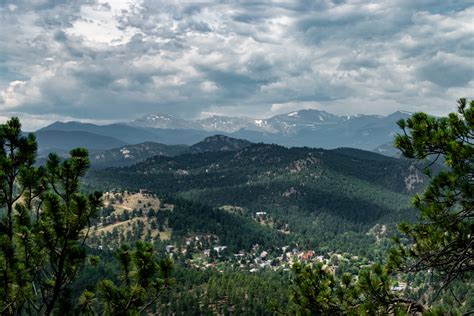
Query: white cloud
x=98, y=23
x=12, y=96
x=208, y=86
x=116, y=60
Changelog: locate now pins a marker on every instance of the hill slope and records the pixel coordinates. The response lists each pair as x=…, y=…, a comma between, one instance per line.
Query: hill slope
x=125, y=133
x=318, y=197
x=63, y=141
x=219, y=143
x=131, y=154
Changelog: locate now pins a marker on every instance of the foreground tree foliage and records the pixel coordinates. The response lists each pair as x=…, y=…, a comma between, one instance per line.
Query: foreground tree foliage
x=440, y=242
x=44, y=227
x=143, y=281
x=443, y=239
x=59, y=229
x=316, y=291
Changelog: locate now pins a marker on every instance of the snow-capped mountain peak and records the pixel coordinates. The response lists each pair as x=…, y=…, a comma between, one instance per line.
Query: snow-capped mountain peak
x=291, y=123
x=164, y=121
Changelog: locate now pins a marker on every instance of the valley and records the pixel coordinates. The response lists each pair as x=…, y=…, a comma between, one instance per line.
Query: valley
x=128, y=217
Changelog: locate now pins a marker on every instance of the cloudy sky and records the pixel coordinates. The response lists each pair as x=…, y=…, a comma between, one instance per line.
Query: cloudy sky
x=115, y=60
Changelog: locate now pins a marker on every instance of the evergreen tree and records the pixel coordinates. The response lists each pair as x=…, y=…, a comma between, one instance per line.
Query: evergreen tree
x=443, y=239
x=316, y=291
x=143, y=281
x=63, y=225
x=17, y=175
x=42, y=240
x=44, y=226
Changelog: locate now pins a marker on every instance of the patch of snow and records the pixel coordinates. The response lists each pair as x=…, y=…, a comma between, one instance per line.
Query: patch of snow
x=259, y=122
x=125, y=152
x=159, y=117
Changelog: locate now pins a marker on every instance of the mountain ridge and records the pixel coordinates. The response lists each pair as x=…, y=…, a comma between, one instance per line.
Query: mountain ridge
x=312, y=128
x=63, y=141
x=127, y=155
x=274, y=124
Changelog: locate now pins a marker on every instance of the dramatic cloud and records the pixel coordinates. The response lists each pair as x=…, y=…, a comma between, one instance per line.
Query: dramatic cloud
x=116, y=60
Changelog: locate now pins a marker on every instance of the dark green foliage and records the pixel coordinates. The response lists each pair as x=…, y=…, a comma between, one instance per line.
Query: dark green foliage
x=314, y=291
x=143, y=280
x=325, y=199
x=317, y=292
x=43, y=223
x=59, y=230
x=235, y=231
x=232, y=292
x=218, y=143
x=17, y=156
x=44, y=227
x=443, y=239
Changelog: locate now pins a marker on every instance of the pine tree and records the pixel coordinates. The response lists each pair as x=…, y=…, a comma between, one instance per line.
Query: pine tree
x=143, y=280
x=443, y=239
x=17, y=176
x=42, y=240
x=63, y=225
x=44, y=227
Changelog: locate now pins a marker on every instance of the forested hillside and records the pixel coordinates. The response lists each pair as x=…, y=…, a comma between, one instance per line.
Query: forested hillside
x=320, y=198
x=237, y=215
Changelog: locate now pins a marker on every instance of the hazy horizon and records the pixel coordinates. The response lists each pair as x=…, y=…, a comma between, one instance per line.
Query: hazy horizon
x=106, y=122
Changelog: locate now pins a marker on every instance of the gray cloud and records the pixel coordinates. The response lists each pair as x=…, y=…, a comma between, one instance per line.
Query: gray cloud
x=115, y=61
x=446, y=70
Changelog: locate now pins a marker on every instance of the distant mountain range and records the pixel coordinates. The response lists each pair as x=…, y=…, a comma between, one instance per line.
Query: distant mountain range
x=286, y=124
x=63, y=141
x=311, y=128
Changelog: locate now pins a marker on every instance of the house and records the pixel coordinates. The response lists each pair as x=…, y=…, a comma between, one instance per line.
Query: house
x=308, y=255
x=144, y=191
x=220, y=248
